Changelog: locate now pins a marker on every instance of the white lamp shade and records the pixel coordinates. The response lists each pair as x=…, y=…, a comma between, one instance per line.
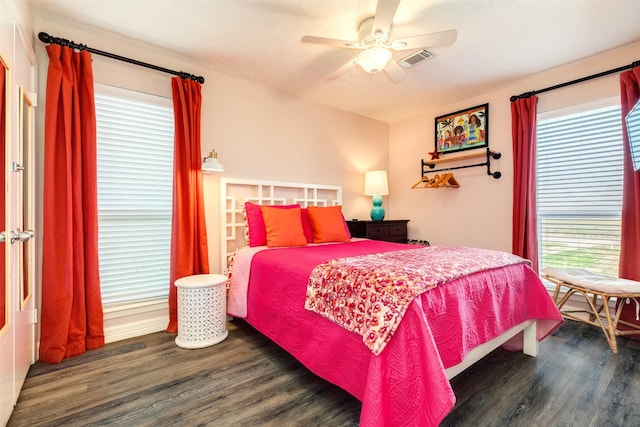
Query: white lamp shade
x=375, y=182
x=211, y=163
x=374, y=59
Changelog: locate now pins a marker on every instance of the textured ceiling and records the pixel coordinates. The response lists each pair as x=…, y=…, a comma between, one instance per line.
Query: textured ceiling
x=259, y=40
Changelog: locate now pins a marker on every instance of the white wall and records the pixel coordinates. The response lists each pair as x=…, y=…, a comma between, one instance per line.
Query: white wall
x=479, y=212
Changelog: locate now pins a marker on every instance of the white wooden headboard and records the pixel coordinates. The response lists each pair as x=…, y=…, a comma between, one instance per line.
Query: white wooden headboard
x=235, y=192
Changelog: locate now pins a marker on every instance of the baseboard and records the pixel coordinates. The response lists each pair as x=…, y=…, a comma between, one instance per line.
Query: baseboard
x=133, y=320
x=134, y=329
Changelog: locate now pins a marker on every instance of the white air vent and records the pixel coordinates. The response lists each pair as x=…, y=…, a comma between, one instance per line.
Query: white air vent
x=415, y=58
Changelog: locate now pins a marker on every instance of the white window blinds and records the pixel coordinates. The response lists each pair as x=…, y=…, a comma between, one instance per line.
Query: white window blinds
x=579, y=172
x=633, y=129
x=135, y=167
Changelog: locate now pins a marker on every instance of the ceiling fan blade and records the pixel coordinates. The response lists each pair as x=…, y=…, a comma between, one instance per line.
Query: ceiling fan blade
x=340, y=71
x=385, y=11
x=441, y=38
x=330, y=42
x=395, y=71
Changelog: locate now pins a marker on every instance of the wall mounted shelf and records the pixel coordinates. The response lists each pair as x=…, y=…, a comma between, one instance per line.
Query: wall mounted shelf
x=429, y=166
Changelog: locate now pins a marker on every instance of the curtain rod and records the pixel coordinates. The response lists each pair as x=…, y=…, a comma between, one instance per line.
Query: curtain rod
x=46, y=38
x=580, y=80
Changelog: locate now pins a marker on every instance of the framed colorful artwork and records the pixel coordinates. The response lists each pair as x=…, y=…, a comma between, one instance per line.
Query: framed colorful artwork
x=463, y=130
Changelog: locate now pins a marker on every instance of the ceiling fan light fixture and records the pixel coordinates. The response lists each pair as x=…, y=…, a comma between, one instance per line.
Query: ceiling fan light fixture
x=374, y=59
x=399, y=44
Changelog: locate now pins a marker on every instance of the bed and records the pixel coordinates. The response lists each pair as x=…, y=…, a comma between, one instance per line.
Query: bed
x=399, y=369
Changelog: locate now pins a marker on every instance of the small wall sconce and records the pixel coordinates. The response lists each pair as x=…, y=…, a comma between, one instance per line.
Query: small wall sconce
x=211, y=163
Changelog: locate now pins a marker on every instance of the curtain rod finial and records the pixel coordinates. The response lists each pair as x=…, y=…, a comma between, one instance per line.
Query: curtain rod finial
x=44, y=37
x=193, y=77
x=522, y=95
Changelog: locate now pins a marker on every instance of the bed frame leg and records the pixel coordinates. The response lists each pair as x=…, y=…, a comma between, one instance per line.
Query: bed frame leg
x=530, y=340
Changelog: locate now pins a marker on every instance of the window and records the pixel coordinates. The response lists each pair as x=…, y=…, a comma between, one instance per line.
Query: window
x=579, y=172
x=135, y=169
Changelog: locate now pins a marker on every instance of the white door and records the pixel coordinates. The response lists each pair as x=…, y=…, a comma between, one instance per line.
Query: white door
x=6, y=331
x=20, y=239
x=17, y=335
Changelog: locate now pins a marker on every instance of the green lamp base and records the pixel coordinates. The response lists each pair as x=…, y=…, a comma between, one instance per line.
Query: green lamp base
x=377, y=211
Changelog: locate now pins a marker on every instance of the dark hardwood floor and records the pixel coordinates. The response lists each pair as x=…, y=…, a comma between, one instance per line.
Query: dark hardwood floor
x=249, y=381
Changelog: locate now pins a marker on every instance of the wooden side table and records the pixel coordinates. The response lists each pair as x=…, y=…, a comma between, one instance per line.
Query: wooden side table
x=202, y=310
x=387, y=230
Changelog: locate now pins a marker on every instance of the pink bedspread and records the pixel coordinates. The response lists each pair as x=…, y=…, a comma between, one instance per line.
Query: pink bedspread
x=369, y=294
x=406, y=384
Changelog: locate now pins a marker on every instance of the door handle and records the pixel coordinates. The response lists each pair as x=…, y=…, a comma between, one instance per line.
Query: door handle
x=3, y=236
x=22, y=236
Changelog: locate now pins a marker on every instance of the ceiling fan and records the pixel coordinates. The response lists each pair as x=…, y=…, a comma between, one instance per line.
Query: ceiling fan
x=376, y=46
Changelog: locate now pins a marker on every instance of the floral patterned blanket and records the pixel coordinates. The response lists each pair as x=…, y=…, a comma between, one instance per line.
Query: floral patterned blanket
x=369, y=294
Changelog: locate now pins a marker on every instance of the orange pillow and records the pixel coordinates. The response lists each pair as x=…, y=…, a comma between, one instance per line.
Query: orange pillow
x=328, y=224
x=283, y=226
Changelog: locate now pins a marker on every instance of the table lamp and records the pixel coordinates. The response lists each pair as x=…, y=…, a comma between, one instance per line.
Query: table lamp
x=376, y=185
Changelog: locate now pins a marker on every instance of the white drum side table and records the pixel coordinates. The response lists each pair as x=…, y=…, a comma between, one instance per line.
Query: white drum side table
x=202, y=310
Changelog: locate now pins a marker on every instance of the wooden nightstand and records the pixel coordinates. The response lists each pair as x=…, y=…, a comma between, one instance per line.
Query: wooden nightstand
x=387, y=230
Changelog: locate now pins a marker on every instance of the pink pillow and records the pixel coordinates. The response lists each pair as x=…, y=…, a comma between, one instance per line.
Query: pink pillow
x=257, y=232
x=306, y=225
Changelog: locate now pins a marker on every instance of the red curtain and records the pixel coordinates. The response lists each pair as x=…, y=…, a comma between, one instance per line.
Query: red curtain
x=189, y=253
x=72, y=318
x=630, y=233
x=629, y=267
x=524, y=222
